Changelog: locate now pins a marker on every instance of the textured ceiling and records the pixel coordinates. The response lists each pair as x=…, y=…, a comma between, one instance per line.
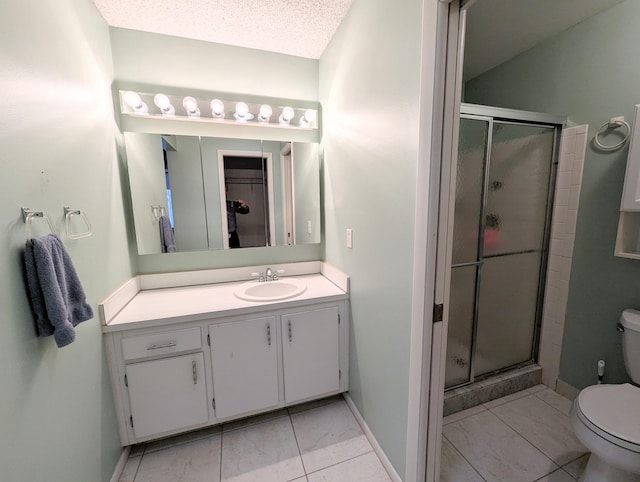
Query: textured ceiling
x=497, y=30
x=296, y=27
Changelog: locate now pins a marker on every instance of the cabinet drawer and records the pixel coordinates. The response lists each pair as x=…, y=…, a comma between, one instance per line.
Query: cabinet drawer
x=166, y=342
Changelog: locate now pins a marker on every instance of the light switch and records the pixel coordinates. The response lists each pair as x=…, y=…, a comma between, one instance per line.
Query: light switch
x=349, y=238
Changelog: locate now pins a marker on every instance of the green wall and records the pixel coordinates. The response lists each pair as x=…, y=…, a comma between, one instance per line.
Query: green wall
x=590, y=73
x=57, y=134
x=369, y=91
x=151, y=59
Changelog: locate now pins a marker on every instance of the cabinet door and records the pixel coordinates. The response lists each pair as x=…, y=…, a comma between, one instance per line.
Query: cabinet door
x=311, y=355
x=167, y=394
x=245, y=366
x=631, y=189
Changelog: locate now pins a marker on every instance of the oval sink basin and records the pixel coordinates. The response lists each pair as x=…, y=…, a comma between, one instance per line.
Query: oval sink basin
x=280, y=289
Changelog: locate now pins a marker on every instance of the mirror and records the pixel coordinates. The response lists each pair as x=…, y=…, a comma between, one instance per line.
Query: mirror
x=218, y=193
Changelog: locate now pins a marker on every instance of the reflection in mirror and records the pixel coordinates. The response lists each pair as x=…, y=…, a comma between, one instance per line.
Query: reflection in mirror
x=278, y=181
x=247, y=209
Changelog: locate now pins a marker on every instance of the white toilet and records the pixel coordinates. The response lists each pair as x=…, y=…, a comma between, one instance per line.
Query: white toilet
x=606, y=418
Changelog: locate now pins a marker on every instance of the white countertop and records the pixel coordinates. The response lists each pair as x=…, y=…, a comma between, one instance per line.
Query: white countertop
x=191, y=303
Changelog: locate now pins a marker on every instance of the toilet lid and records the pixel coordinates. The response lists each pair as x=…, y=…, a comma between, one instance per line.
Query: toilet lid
x=614, y=409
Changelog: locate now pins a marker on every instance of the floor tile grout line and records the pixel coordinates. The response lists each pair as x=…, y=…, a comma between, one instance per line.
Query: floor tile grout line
x=555, y=408
x=135, y=475
x=559, y=469
x=466, y=416
x=568, y=473
x=346, y=460
x=573, y=460
x=221, y=448
x=528, y=441
x=464, y=458
x=295, y=436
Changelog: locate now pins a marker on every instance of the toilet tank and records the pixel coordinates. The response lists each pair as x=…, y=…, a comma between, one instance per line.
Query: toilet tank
x=630, y=320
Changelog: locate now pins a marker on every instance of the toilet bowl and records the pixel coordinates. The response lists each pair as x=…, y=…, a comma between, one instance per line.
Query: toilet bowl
x=606, y=419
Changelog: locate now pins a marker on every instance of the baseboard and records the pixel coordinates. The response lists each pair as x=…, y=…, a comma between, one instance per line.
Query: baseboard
x=566, y=390
x=372, y=440
x=122, y=461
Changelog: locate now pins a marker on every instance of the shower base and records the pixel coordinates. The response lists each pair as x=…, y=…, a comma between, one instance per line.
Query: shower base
x=491, y=388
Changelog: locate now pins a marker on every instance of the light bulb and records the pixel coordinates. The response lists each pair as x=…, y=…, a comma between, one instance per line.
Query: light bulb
x=242, y=109
x=286, y=116
x=191, y=106
x=308, y=118
x=133, y=100
x=265, y=113
x=217, y=109
x=242, y=113
x=164, y=104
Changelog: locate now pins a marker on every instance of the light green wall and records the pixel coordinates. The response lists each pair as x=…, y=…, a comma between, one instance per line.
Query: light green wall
x=152, y=59
x=57, y=421
x=369, y=91
x=156, y=59
x=147, y=180
x=591, y=73
x=306, y=195
x=187, y=194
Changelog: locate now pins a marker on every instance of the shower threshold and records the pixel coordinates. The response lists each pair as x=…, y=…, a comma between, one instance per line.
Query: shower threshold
x=492, y=387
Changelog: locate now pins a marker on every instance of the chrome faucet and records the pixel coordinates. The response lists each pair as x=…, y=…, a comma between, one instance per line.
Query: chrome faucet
x=269, y=275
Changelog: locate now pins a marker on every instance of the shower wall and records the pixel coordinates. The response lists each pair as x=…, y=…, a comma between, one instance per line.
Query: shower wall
x=500, y=242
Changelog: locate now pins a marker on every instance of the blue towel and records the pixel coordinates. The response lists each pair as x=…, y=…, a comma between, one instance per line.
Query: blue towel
x=57, y=298
x=167, y=240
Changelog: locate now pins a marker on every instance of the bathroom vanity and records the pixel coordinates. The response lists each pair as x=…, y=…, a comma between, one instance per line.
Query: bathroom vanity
x=186, y=351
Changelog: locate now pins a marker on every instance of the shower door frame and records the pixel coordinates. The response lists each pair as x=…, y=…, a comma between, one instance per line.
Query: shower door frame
x=496, y=115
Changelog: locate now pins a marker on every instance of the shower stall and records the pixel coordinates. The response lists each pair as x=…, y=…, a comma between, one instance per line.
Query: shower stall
x=503, y=199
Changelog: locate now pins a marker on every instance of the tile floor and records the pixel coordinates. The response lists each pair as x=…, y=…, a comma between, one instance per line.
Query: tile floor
x=526, y=436
x=316, y=442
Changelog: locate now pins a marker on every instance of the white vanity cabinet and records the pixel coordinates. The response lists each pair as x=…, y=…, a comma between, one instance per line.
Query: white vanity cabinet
x=311, y=353
x=166, y=388
x=244, y=359
x=167, y=394
x=190, y=357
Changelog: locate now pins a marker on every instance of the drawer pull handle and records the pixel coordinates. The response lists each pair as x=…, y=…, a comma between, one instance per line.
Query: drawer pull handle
x=171, y=344
x=195, y=372
x=269, y=334
x=290, y=332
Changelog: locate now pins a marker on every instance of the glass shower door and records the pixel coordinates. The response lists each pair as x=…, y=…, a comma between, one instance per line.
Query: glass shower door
x=517, y=200
x=466, y=254
x=499, y=240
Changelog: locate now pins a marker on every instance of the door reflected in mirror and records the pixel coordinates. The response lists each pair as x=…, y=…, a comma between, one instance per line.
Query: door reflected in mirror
x=247, y=207
x=266, y=192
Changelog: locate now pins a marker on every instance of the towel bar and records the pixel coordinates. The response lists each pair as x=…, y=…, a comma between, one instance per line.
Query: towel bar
x=28, y=215
x=68, y=214
x=158, y=211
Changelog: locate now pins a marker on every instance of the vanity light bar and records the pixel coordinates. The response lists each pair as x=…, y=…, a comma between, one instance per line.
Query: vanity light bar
x=161, y=105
